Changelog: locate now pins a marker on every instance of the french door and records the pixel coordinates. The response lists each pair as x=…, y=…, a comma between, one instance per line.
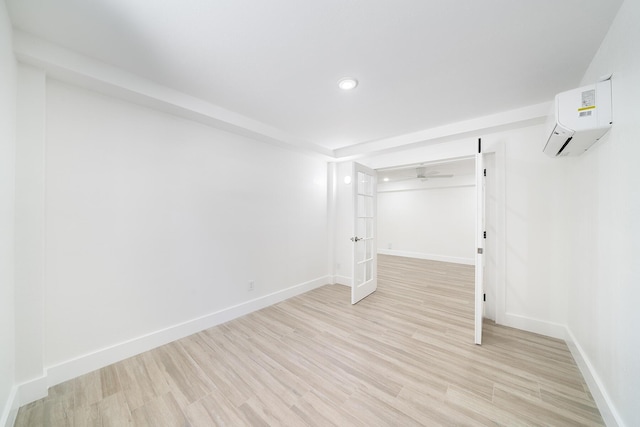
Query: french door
x=365, y=275
x=480, y=229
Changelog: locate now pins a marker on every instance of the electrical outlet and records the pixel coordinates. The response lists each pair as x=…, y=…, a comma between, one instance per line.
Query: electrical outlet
x=251, y=285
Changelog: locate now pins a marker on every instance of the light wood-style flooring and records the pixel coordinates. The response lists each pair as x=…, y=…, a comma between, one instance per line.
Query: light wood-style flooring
x=404, y=356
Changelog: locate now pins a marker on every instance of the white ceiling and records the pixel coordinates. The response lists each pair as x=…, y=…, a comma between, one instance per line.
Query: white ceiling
x=420, y=63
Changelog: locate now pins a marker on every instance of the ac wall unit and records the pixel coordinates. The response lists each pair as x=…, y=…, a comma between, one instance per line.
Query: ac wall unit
x=579, y=118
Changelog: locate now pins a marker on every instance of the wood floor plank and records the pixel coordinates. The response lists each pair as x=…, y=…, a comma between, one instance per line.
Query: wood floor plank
x=141, y=380
x=187, y=381
x=87, y=389
x=316, y=409
x=58, y=408
x=402, y=356
x=215, y=410
x=114, y=411
x=31, y=414
x=161, y=411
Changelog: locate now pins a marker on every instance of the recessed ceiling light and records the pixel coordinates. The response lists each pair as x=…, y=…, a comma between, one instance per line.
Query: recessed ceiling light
x=347, y=83
x=386, y=179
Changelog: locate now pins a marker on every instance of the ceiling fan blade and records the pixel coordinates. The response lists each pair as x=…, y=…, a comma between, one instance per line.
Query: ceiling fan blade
x=427, y=178
x=422, y=173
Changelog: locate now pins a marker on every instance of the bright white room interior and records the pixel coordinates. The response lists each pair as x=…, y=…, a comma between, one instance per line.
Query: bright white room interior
x=148, y=174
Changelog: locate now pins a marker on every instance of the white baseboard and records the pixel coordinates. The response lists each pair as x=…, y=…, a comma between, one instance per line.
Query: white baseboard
x=419, y=255
x=542, y=327
x=605, y=405
x=109, y=355
x=342, y=280
x=10, y=411
x=33, y=390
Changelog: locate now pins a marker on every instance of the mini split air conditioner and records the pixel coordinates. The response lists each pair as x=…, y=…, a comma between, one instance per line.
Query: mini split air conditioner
x=579, y=118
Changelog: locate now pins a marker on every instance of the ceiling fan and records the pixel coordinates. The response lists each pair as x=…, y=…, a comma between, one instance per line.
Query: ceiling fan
x=422, y=174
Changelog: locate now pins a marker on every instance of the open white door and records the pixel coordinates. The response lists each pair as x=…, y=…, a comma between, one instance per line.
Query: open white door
x=479, y=289
x=365, y=274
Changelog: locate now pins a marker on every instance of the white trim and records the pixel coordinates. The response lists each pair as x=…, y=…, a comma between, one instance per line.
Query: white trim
x=607, y=409
x=519, y=117
x=342, y=280
x=537, y=326
x=106, y=356
x=74, y=68
x=10, y=411
x=32, y=390
x=433, y=257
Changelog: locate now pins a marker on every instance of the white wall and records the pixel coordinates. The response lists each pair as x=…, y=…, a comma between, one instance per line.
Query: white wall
x=156, y=224
x=343, y=225
x=29, y=232
x=604, y=229
x=535, y=252
x=7, y=205
x=431, y=222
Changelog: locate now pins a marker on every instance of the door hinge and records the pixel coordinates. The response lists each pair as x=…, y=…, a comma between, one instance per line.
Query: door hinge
x=484, y=297
x=484, y=234
x=480, y=251
x=485, y=172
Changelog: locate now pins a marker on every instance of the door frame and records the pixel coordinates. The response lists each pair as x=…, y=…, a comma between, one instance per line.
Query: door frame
x=468, y=149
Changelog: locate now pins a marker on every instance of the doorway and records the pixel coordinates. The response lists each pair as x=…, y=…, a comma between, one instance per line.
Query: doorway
x=430, y=211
